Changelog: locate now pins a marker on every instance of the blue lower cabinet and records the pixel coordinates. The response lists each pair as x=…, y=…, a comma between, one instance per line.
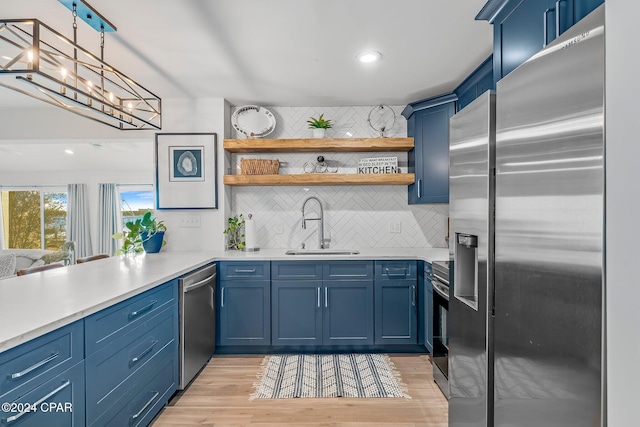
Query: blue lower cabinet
x=59, y=402
x=296, y=312
x=348, y=313
x=427, y=297
x=396, y=312
x=244, y=312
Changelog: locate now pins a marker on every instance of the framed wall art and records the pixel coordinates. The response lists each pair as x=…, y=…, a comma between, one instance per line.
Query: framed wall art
x=186, y=170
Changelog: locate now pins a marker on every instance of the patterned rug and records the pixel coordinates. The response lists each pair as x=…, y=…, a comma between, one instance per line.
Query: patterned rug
x=328, y=375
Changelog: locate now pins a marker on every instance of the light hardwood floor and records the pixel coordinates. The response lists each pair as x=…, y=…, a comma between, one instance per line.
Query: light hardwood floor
x=220, y=397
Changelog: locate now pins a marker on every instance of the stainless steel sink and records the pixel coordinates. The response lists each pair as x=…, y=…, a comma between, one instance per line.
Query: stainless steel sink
x=321, y=252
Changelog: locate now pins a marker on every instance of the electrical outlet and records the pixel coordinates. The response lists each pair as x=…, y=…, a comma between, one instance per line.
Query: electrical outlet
x=190, y=221
x=395, y=226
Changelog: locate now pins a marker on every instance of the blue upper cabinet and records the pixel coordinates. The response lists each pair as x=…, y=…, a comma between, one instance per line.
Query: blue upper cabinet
x=480, y=81
x=523, y=27
x=428, y=124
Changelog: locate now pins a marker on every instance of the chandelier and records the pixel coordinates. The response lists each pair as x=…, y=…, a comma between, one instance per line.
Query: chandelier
x=38, y=61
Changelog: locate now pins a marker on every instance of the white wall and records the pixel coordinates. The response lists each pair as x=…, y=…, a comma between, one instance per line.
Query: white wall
x=623, y=208
x=179, y=115
x=354, y=216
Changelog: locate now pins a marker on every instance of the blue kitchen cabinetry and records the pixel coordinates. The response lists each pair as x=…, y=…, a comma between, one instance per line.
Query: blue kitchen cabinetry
x=396, y=300
x=131, y=352
x=322, y=303
x=427, y=301
x=428, y=124
x=523, y=27
x=244, y=304
x=47, y=372
x=478, y=82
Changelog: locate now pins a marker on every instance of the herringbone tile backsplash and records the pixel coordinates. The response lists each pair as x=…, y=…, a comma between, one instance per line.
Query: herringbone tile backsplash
x=355, y=216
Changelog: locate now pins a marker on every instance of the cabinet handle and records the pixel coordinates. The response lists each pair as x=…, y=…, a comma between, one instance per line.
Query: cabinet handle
x=144, y=353
x=38, y=402
x=34, y=367
x=253, y=270
x=142, y=310
x=326, y=297
x=222, y=298
x=420, y=188
x=144, y=408
x=396, y=272
x=545, y=17
x=318, y=296
x=413, y=301
x=559, y=15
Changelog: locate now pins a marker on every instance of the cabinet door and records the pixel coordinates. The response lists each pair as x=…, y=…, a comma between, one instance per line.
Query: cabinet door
x=296, y=312
x=245, y=313
x=348, y=313
x=428, y=317
x=395, y=312
x=520, y=32
x=431, y=155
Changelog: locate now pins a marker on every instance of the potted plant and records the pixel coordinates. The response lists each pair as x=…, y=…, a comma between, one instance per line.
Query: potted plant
x=319, y=125
x=235, y=232
x=145, y=234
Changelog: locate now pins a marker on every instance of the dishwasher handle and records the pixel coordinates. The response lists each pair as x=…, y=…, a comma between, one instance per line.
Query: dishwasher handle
x=200, y=283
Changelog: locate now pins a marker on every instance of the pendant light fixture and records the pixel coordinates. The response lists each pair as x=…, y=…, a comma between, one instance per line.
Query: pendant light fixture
x=38, y=61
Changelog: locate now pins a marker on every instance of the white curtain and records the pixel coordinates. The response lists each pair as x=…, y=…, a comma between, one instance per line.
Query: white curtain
x=78, y=229
x=109, y=218
x=2, y=243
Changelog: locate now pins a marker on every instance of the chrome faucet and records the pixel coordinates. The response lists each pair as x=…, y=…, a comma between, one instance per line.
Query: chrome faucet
x=320, y=218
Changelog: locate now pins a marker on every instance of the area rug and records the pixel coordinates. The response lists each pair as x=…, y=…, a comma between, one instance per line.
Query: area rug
x=328, y=375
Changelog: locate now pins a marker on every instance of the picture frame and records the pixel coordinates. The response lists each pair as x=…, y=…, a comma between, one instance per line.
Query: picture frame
x=186, y=170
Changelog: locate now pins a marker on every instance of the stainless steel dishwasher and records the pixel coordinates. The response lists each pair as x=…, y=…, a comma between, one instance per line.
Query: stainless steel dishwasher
x=197, y=321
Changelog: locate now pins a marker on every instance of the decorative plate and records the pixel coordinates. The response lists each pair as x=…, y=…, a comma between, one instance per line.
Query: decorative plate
x=253, y=121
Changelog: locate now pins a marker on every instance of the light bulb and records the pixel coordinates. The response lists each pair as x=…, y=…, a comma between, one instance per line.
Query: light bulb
x=130, y=109
x=111, y=101
x=63, y=71
x=30, y=59
x=89, y=88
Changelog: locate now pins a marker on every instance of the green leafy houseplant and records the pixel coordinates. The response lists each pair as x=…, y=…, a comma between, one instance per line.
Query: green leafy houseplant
x=138, y=232
x=319, y=123
x=235, y=232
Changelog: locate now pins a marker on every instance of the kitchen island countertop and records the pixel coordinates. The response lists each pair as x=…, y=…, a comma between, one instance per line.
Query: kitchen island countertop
x=35, y=304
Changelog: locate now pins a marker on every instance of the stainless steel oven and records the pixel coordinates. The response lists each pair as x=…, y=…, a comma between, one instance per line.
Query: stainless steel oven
x=440, y=356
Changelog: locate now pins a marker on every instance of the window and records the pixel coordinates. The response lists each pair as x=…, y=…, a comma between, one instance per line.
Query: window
x=35, y=218
x=135, y=201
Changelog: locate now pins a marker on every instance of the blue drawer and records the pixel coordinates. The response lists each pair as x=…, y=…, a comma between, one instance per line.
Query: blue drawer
x=40, y=359
x=58, y=402
x=112, y=365
x=396, y=270
x=242, y=270
x=296, y=270
x=104, y=327
x=348, y=270
x=144, y=398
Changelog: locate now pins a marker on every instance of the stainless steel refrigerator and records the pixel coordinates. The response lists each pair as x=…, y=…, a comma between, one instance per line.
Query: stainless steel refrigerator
x=526, y=316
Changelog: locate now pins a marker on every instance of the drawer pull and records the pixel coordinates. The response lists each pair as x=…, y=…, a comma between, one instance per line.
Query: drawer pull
x=37, y=403
x=326, y=297
x=413, y=295
x=318, y=296
x=396, y=272
x=34, y=367
x=144, y=408
x=144, y=353
x=222, y=299
x=144, y=309
x=252, y=270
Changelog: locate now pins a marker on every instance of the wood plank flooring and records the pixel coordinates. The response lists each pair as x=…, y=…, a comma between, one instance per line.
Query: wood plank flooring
x=220, y=397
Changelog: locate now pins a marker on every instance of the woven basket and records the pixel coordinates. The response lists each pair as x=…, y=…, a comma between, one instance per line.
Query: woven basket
x=259, y=167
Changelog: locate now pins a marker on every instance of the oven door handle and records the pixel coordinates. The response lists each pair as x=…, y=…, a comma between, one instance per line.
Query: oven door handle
x=441, y=289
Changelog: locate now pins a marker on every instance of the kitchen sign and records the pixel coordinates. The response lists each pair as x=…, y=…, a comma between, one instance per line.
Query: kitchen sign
x=378, y=165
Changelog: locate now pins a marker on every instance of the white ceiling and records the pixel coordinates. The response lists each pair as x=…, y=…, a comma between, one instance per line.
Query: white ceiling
x=269, y=52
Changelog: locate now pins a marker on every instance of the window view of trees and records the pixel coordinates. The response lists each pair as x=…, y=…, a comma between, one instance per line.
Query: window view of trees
x=34, y=219
x=134, y=204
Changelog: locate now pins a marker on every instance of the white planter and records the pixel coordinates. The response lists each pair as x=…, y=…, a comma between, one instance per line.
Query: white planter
x=318, y=132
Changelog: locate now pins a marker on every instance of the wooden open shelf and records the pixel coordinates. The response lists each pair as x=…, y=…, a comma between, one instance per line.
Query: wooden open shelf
x=320, y=179
x=313, y=145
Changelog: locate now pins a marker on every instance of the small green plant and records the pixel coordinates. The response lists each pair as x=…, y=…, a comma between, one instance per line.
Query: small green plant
x=137, y=232
x=319, y=123
x=235, y=232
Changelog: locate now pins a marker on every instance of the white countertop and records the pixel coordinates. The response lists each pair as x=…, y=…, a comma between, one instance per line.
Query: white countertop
x=32, y=305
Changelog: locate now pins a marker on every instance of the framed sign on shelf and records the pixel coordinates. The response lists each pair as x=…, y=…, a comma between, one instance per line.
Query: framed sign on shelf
x=186, y=171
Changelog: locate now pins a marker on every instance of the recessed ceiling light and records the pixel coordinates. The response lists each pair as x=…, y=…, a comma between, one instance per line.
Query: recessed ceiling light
x=68, y=151
x=370, y=56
